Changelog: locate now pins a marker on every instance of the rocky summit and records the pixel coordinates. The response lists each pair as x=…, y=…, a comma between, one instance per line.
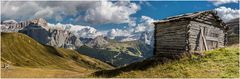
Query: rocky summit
x=39, y=30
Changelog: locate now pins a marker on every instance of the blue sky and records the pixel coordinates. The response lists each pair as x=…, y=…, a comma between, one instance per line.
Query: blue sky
x=115, y=17
x=161, y=9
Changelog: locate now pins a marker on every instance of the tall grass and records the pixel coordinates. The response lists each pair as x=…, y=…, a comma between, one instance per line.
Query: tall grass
x=218, y=63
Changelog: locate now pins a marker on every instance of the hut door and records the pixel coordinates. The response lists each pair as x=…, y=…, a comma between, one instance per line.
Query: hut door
x=212, y=40
x=202, y=40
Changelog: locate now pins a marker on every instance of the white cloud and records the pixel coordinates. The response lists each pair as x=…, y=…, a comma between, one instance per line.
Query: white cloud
x=109, y=12
x=134, y=32
x=22, y=10
x=118, y=32
x=146, y=24
x=91, y=11
x=220, y=2
x=227, y=14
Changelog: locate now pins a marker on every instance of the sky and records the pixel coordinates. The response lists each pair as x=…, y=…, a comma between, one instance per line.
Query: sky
x=112, y=18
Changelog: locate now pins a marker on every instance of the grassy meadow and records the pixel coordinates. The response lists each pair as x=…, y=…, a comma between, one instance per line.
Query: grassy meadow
x=218, y=63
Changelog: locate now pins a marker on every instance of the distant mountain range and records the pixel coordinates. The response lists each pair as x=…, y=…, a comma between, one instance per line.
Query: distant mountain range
x=118, y=51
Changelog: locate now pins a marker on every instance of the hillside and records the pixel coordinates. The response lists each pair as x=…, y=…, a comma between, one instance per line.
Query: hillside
x=111, y=57
x=118, y=53
x=220, y=63
x=22, y=52
x=114, y=51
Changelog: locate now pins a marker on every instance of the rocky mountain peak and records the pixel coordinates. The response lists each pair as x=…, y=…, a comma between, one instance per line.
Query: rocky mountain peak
x=39, y=22
x=98, y=42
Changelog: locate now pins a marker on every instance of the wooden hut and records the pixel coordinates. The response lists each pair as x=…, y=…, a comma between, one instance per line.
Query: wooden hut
x=189, y=33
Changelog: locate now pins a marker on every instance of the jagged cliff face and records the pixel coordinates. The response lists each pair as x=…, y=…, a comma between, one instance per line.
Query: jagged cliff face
x=40, y=31
x=63, y=38
x=13, y=26
x=98, y=42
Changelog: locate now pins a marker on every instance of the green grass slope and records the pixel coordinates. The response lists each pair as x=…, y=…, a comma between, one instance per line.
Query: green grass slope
x=22, y=51
x=218, y=63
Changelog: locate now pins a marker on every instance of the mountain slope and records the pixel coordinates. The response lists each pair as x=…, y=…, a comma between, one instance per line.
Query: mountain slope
x=218, y=63
x=112, y=57
x=114, y=52
x=233, y=32
x=118, y=53
x=22, y=51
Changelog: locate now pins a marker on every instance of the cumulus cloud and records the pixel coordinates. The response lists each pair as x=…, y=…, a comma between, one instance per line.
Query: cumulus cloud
x=146, y=24
x=227, y=14
x=91, y=11
x=220, y=2
x=134, y=32
x=15, y=10
x=109, y=12
x=118, y=32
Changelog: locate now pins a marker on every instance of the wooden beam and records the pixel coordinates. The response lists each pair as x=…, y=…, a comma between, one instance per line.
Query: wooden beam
x=204, y=40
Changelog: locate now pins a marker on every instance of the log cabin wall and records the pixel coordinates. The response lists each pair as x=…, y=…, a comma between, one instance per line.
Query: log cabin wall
x=185, y=34
x=213, y=35
x=170, y=38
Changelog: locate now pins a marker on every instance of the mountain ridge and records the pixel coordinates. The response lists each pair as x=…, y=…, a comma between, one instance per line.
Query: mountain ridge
x=39, y=30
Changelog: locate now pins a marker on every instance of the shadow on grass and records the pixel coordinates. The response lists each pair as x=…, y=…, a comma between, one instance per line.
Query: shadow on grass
x=53, y=50
x=148, y=63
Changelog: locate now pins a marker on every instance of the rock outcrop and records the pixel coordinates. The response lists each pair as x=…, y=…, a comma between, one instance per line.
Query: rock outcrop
x=39, y=30
x=63, y=38
x=13, y=26
x=98, y=42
